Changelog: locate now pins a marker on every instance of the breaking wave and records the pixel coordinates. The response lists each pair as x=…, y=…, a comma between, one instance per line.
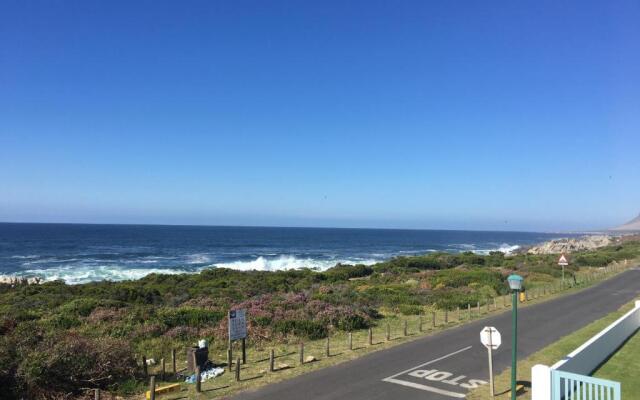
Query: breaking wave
x=503, y=247
x=283, y=263
x=78, y=273
x=74, y=274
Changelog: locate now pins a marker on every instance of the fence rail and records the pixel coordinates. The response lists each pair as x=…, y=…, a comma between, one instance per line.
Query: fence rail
x=570, y=386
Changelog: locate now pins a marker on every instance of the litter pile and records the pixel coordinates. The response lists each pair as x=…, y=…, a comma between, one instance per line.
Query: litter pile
x=210, y=373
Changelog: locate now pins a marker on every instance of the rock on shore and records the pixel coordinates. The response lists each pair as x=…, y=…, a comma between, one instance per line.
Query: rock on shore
x=13, y=280
x=569, y=245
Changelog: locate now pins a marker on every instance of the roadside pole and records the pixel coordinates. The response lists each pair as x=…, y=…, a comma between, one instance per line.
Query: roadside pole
x=491, y=339
x=563, y=262
x=490, y=352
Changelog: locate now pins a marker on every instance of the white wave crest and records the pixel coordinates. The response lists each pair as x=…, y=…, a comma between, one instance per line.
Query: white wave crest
x=283, y=263
x=75, y=274
x=198, y=259
x=504, y=248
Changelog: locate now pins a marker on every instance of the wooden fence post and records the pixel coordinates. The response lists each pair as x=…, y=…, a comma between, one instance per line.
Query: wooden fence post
x=458, y=313
x=446, y=317
x=301, y=353
x=152, y=387
x=388, y=337
x=478, y=307
x=144, y=366
x=370, y=336
x=230, y=359
x=420, y=323
x=350, y=340
x=495, y=304
x=433, y=319
x=164, y=370
x=327, y=349
x=198, y=380
x=173, y=361
x=469, y=310
x=404, y=328
x=237, y=370
x=272, y=360
x=244, y=350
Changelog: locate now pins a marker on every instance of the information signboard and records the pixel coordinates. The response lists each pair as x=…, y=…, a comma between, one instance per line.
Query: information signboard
x=237, y=325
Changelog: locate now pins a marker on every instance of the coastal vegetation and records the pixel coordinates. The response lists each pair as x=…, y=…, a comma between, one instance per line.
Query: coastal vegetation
x=57, y=340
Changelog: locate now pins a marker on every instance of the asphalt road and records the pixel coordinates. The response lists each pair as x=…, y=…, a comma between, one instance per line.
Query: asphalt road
x=449, y=364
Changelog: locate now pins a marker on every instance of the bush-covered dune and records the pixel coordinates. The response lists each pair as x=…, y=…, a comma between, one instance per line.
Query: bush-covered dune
x=57, y=339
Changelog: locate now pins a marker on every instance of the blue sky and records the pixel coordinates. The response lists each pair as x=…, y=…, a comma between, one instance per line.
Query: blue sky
x=439, y=114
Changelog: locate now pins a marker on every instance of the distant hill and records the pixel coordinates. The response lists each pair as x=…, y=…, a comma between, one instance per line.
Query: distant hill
x=633, y=225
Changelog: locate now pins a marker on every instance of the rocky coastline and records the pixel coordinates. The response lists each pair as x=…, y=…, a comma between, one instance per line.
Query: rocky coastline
x=570, y=245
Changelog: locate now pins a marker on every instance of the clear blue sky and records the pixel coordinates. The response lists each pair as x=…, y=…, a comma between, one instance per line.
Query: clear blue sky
x=517, y=115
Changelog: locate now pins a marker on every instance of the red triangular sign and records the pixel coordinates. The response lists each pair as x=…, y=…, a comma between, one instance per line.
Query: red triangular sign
x=563, y=260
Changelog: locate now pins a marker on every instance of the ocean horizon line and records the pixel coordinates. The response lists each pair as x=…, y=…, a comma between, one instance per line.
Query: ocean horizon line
x=571, y=232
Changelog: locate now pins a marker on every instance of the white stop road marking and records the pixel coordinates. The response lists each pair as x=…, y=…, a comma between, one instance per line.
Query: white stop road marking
x=435, y=375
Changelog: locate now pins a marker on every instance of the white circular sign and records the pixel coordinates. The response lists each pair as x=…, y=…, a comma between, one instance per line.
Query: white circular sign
x=490, y=337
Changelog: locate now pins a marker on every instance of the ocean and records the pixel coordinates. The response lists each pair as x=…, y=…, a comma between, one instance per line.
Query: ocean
x=78, y=253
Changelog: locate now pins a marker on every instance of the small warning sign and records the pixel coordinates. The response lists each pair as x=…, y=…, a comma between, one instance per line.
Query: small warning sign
x=563, y=260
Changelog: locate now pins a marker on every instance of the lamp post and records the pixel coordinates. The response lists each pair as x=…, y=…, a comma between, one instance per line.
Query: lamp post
x=515, y=284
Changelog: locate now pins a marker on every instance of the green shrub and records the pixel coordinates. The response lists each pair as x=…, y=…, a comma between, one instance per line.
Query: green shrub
x=64, y=364
x=594, y=260
x=450, y=299
x=343, y=272
x=455, y=278
x=62, y=321
x=352, y=322
x=194, y=317
x=81, y=307
x=8, y=366
x=393, y=295
x=408, y=309
x=307, y=328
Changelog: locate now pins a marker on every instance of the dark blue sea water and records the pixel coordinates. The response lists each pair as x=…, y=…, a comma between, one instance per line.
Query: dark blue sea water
x=83, y=253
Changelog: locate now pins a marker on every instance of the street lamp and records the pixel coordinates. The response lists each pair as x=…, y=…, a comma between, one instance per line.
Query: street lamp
x=515, y=284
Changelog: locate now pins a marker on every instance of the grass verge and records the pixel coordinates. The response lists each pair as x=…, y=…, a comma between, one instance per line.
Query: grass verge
x=623, y=367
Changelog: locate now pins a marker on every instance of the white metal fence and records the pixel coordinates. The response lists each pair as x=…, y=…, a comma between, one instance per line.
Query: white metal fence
x=569, y=378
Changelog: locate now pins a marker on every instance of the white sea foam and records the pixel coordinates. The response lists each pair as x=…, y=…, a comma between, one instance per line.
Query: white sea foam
x=25, y=257
x=198, y=259
x=76, y=274
x=504, y=248
x=289, y=262
x=88, y=272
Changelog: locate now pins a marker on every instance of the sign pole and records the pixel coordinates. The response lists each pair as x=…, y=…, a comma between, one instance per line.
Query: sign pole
x=244, y=351
x=514, y=345
x=230, y=348
x=491, y=339
x=563, y=262
x=490, y=349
